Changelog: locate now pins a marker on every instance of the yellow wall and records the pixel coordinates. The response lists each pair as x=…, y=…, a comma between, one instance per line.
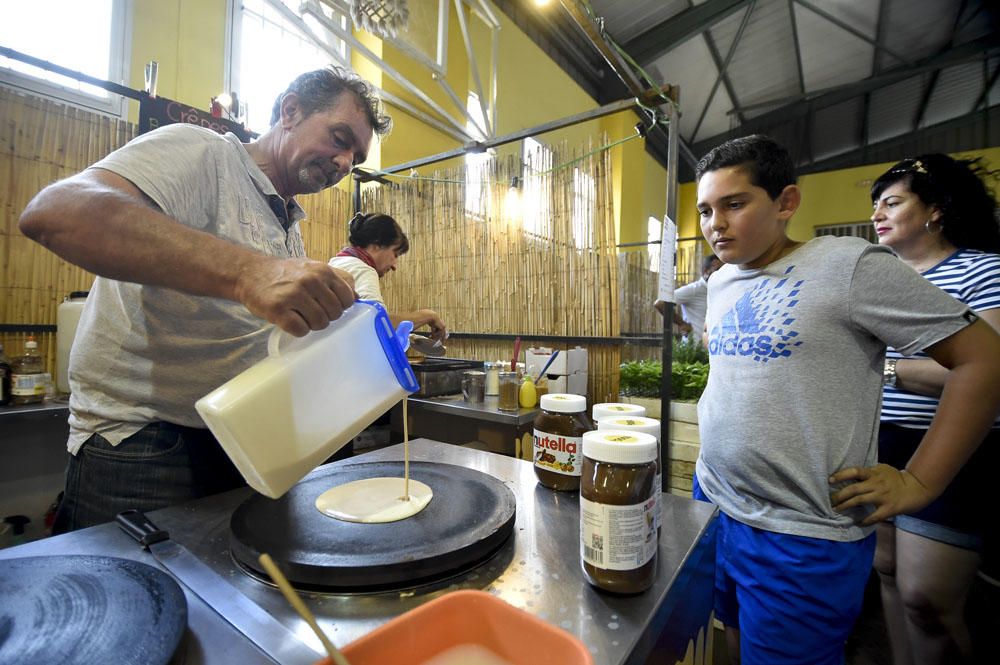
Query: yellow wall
x=187, y=39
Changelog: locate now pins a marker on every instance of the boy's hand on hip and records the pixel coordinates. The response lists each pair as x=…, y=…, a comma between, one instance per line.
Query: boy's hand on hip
x=888, y=489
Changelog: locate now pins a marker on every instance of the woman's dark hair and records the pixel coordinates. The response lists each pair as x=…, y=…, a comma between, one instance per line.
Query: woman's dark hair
x=957, y=188
x=318, y=90
x=766, y=161
x=375, y=228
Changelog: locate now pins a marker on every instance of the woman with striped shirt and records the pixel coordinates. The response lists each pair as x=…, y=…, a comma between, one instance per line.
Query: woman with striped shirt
x=938, y=216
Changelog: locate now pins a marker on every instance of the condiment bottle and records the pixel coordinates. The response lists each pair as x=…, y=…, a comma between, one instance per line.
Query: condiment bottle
x=607, y=409
x=509, y=387
x=646, y=426
x=527, y=397
x=618, y=543
x=4, y=378
x=27, y=376
x=558, y=436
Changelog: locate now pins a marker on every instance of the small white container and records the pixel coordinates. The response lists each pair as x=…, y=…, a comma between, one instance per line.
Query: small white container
x=286, y=415
x=616, y=409
x=67, y=318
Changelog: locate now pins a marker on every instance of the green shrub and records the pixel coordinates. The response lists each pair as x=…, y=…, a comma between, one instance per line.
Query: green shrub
x=688, y=376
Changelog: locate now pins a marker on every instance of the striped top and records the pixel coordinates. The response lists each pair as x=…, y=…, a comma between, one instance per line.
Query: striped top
x=970, y=276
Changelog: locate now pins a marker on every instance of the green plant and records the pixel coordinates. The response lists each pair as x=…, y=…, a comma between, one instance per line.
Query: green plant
x=688, y=375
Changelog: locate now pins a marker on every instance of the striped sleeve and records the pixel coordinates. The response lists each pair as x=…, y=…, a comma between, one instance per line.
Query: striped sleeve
x=971, y=277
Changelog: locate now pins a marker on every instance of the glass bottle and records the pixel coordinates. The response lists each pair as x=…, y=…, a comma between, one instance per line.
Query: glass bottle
x=27, y=376
x=509, y=388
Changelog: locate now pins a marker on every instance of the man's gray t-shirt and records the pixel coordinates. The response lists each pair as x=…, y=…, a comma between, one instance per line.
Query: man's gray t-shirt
x=795, y=384
x=146, y=353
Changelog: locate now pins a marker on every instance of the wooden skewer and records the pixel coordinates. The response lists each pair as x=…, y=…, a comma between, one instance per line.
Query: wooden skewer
x=293, y=599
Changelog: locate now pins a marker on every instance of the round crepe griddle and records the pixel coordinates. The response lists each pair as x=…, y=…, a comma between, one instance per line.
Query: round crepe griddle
x=469, y=518
x=88, y=610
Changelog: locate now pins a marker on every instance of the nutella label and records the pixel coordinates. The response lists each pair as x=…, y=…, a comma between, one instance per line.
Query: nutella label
x=617, y=537
x=558, y=453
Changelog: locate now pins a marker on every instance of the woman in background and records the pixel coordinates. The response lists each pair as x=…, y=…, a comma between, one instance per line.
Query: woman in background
x=377, y=241
x=936, y=213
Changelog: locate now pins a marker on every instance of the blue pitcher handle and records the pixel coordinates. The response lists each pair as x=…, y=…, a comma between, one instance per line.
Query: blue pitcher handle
x=402, y=334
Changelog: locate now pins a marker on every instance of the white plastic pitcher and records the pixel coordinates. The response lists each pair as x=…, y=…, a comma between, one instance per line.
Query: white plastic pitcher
x=286, y=415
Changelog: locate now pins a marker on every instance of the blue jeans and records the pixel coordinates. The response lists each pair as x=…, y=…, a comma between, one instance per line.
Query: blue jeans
x=160, y=465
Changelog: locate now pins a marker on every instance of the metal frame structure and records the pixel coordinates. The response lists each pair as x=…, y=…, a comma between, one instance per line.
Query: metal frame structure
x=437, y=116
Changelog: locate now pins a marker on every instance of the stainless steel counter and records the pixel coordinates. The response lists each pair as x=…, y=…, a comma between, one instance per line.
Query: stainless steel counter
x=32, y=460
x=487, y=410
x=452, y=419
x=538, y=570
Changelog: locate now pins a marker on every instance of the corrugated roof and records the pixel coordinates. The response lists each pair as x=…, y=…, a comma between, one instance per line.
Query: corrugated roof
x=801, y=68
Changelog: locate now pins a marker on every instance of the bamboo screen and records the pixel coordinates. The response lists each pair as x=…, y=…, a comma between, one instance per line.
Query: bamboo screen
x=42, y=141
x=486, y=264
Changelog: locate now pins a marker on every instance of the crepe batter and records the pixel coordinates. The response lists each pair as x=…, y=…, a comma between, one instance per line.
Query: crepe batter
x=377, y=500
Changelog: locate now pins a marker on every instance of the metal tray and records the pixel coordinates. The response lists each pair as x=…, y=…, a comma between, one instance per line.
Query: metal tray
x=442, y=376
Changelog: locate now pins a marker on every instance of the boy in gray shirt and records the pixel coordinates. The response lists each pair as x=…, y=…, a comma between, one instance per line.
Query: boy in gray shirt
x=789, y=419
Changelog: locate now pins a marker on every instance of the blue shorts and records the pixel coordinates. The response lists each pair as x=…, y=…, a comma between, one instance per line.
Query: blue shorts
x=794, y=599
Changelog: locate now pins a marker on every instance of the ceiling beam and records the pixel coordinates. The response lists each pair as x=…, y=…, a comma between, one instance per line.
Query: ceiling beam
x=854, y=31
x=798, y=48
x=970, y=51
x=659, y=39
x=723, y=67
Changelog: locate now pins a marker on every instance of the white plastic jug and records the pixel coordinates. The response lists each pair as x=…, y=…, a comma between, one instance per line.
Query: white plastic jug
x=67, y=318
x=286, y=415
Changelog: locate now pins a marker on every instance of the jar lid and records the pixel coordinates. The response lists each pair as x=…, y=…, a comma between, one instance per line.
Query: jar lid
x=631, y=424
x=619, y=446
x=608, y=409
x=563, y=403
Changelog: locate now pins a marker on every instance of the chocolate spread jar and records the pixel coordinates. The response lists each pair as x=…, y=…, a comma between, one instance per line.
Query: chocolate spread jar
x=614, y=409
x=647, y=426
x=618, y=542
x=558, y=436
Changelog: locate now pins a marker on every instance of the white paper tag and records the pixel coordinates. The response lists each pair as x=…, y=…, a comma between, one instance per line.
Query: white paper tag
x=668, y=258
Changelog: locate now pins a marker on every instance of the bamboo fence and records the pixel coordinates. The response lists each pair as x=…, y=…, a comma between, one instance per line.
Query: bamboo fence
x=551, y=269
x=474, y=262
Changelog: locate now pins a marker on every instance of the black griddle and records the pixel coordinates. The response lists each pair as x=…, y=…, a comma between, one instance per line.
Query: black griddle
x=469, y=518
x=88, y=610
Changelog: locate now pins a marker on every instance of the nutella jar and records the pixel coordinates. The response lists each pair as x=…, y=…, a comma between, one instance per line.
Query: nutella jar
x=558, y=437
x=646, y=426
x=618, y=542
x=611, y=409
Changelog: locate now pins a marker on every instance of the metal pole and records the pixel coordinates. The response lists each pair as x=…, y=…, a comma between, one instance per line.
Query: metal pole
x=667, y=350
x=599, y=112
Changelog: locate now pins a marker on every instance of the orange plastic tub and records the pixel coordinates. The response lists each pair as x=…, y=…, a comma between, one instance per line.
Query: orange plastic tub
x=467, y=622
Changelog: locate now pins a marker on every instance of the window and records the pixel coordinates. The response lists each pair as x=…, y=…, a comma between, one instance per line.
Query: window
x=478, y=165
x=536, y=205
x=88, y=37
x=584, y=198
x=260, y=32
x=860, y=230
